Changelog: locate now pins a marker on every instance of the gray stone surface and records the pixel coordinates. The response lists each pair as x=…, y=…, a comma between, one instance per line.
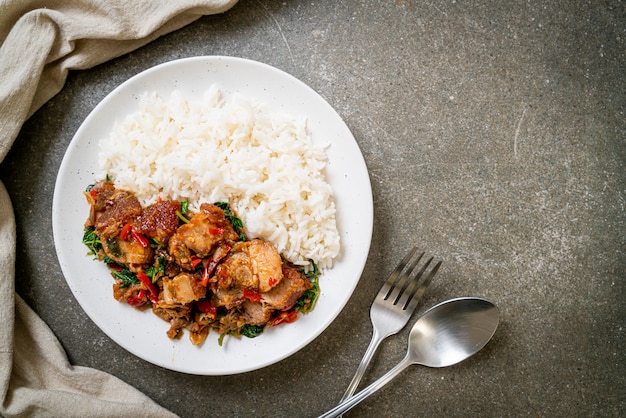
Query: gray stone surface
x=494, y=134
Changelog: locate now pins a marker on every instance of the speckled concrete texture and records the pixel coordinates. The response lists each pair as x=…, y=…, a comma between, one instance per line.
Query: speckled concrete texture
x=494, y=134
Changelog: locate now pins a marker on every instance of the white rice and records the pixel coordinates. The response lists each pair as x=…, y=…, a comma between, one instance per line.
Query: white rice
x=263, y=163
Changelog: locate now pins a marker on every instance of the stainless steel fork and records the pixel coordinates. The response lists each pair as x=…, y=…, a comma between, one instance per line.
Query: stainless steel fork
x=395, y=302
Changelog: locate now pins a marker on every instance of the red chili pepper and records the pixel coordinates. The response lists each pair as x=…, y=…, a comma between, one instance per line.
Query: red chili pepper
x=210, y=264
x=208, y=269
x=207, y=307
x=153, y=294
x=195, y=261
x=126, y=231
x=140, y=238
x=139, y=300
x=284, y=317
x=252, y=295
x=93, y=193
x=272, y=281
x=216, y=231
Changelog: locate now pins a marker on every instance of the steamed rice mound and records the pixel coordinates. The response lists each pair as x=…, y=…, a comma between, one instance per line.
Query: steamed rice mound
x=263, y=163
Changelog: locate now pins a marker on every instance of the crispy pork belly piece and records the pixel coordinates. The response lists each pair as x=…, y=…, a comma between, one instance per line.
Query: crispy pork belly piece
x=130, y=253
x=179, y=252
x=182, y=289
x=236, y=272
x=205, y=229
x=198, y=332
x=123, y=293
x=231, y=321
x=255, y=313
x=159, y=220
x=266, y=262
x=179, y=316
x=253, y=264
x=119, y=208
x=288, y=291
x=227, y=298
x=100, y=194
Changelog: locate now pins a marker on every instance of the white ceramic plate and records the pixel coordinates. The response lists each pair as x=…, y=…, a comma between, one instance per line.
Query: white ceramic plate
x=142, y=333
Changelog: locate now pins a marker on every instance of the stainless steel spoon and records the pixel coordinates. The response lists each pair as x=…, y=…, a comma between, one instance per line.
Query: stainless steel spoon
x=446, y=334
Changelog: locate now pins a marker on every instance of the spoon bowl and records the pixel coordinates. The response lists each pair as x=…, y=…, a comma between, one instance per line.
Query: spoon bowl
x=444, y=335
x=452, y=331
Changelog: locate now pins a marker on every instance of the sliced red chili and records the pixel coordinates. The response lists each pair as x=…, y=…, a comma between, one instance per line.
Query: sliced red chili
x=139, y=300
x=252, y=295
x=208, y=269
x=140, y=238
x=153, y=293
x=286, y=317
x=126, y=231
x=195, y=261
x=207, y=307
x=272, y=281
x=216, y=231
x=211, y=264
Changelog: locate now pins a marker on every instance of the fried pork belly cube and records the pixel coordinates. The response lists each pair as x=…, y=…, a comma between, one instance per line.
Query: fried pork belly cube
x=284, y=295
x=113, y=210
x=100, y=194
x=159, y=220
x=231, y=321
x=122, y=293
x=227, y=298
x=179, y=316
x=198, y=331
x=182, y=289
x=253, y=264
x=255, y=313
x=205, y=229
x=129, y=253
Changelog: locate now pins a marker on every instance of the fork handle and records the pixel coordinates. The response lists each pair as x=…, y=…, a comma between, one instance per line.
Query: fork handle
x=365, y=361
x=348, y=404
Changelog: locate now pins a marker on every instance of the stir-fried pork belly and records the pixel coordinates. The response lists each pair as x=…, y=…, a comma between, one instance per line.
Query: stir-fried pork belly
x=179, y=318
x=288, y=291
x=126, y=252
x=198, y=237
x=254, y=265
x=159, y=220
x=193, y=269
x=255, y=313
x=280, y=298
x=112, y=209
x=130, y=294
x=181, y=290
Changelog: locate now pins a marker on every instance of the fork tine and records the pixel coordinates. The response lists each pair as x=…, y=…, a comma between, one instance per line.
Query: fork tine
x=413, y=278
x=390, y=283
x=419, y=282
x=403, y=278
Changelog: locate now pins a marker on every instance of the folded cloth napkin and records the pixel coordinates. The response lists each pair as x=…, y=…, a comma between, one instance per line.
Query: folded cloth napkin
x=38, y=46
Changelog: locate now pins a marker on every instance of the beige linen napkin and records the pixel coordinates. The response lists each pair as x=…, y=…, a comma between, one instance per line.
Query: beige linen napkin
x=40, y=42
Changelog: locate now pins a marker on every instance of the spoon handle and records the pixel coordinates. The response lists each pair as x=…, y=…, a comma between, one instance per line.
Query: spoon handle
x=356, y=399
